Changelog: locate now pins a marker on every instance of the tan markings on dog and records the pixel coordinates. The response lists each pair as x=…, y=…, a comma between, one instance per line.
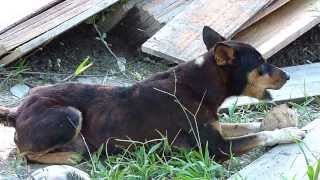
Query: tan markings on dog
x=216, y=125
x=70, y=158
x=257, y=84
x=224, y=55
x=79, y=126
x=239, y=129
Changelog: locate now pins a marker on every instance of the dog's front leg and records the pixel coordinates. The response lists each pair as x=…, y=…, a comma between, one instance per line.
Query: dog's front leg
x=277, y=118
x=242, y=144
x=222, y=147
x=239, y=129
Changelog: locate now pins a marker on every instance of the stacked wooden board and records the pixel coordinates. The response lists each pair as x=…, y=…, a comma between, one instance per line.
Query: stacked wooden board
x=43, y=22
x=280, y=28
x=269, y=25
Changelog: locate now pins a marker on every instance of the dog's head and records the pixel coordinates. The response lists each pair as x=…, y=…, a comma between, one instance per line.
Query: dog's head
x=248, y=72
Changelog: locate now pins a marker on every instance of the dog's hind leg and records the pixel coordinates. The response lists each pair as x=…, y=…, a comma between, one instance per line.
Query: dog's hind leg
x=47, y=129
x=70, y=153
x=55, y=158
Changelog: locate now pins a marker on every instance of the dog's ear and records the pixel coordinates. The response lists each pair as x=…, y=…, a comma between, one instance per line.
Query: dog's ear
x=211, y=37
x=224, y=54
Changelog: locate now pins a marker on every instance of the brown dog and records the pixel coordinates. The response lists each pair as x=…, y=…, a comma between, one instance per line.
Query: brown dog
x=53, y=121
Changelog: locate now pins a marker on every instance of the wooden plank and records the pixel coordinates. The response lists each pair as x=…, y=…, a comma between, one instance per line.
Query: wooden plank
x=14, y=11
x=281, y=27
x=2, y=49
x=118, y=12
x=80, y=13
x=145, y=19
x=304, y=81
x=180, y=40
x=164, y=10
x=45, y=21
x=266, y=11
x=285, y=161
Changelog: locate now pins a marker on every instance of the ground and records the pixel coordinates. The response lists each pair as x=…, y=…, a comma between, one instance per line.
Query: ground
x=59, y=58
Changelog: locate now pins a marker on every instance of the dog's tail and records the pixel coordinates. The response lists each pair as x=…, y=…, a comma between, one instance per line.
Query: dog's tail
x=7, y=117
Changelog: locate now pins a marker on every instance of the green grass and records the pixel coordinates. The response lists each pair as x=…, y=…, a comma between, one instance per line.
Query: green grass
x=157, y=161
x=243, y=114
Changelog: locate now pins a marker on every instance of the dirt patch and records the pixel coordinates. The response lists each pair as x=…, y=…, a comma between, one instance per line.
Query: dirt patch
x=81, y=42
x=304, y=50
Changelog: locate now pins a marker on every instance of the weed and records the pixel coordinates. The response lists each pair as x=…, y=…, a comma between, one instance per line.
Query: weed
x=14, y=75
x=312, y=170
x=83, y=66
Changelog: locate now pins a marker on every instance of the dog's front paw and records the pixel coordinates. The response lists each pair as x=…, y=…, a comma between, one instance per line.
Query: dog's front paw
x=285, y=135
x=279, y=117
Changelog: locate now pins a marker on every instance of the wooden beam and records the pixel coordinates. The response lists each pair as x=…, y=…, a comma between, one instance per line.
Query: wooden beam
x=304, y=82
x=43, y=22
x=13, y=12
x=181, y=40
x=285, y=161
x=70, y=14
x=283, y=26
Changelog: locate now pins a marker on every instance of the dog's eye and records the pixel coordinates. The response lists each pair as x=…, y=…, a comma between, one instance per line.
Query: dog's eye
x=263, y=69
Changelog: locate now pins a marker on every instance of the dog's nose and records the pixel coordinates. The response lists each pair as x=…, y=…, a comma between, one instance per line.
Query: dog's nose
x=287, y=76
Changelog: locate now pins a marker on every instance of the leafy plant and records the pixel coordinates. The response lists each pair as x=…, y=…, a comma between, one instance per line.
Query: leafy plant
x=312, y=171
x=85, y=64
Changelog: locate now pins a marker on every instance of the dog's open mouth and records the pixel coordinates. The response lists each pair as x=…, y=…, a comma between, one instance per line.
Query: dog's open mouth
x=266, y=96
